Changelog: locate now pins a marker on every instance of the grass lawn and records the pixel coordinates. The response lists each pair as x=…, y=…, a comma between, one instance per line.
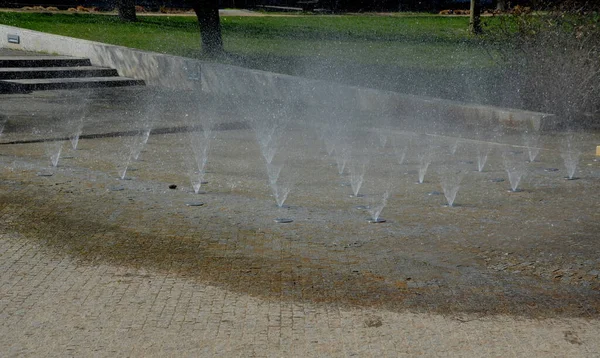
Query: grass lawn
x=387, y=52
x=413, y=41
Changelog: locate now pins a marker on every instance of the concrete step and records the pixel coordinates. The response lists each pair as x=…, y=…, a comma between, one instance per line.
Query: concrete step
x=29, y=85
x=43, y=61
x=16, y=73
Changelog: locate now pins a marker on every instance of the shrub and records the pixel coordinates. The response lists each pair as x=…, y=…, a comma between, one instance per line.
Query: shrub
x=555, y=58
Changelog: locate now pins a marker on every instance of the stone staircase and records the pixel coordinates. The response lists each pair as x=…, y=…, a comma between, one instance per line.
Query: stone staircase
x=23, y=74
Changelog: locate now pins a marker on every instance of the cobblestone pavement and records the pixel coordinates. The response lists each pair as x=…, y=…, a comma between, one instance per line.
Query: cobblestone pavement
x=92, y=265
x=53, y=306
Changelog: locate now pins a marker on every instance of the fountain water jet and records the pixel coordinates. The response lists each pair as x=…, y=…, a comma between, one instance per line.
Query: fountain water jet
x=425, y=158
x=281, y=190
x=358, y=167
x=400, y=148
x=273, y=172
x=74, y=138
x=332, y=134
x=146, y=134
x=123, y=170
x=281, y=193
x=454, y=143
x=3, y=121
x=570, y=155
x=132, y=144
x=77, y=112
x=514, y=165
x=55, y=157
x=451, y=177
x=269, y=134
x=146, y=118
x=342, y=157
x=532, y=140
x=137, y=145
x=152, y=115
x=52, y=147
x=199, y=144
x=140, y=142
x=483, y=151
x=269, y=125
x=375, y=209
x=196, y=181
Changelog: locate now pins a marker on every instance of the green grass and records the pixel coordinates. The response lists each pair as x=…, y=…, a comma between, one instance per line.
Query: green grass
x=409, y=53
x=410, y=41
x=165, y=35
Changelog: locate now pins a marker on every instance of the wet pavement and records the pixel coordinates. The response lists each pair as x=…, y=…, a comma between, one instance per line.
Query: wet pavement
x=96, y=265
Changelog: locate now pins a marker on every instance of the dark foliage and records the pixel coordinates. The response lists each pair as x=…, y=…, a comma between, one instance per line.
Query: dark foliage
x=555, y=58
x=126, y=10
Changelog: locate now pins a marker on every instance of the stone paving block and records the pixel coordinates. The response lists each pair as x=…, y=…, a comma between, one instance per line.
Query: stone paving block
x=76, y=276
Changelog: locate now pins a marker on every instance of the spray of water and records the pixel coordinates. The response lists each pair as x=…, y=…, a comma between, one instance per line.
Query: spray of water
x=425, y=158
x=199, y=147
x=78, y=108
x=137, y=145
x=146, y=134
x=123, y=170
x=514, y=164
x=400, y=144
x=281, y=193
x=74, y=138
x=154, y=109
x=329, y=145
x=52, y=146
x=531, y=139
x=483, y=151
x=375, y=209
x=132, y=148
x=451, y=176
x=55, y=156
x=454, y=144
x=269, y=124
x=124, y=164
x=332, y=133
x=342, y=157
x=196, y=180
x=273, y=172
x=570, y=154
x=358, y=167
x=3, y=121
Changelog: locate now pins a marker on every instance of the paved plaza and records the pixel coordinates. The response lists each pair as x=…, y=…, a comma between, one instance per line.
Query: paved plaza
x=91, y=265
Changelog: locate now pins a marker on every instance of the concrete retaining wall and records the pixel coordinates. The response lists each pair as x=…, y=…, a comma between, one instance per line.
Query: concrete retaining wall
x=183, y=73
x=154, y=68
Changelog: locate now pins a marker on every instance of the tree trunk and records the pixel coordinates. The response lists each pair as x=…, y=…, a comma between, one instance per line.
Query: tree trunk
x=501, y=5
x=207, y=12
x=126, y=10
x=475, y=19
